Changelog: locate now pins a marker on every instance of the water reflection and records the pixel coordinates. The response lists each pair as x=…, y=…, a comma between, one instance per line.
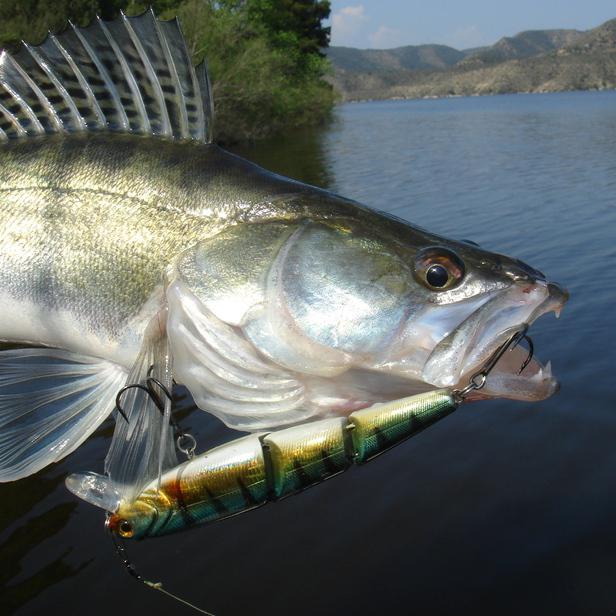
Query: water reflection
x=300, y=155
x=31, y=581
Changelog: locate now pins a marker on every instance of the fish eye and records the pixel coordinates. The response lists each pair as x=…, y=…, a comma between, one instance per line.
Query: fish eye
x=438, y=268
x=125, y=528
x=437, y=276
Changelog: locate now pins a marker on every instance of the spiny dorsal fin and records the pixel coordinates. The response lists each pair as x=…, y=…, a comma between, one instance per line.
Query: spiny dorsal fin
x=132, y=74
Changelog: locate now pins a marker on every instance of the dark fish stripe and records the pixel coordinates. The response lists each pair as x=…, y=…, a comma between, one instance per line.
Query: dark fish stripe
x=328, y=463
x=148, y=530
x=270, y=476
x=302, y=475
x=381, y=440
x=247, y=495
x=219, y=506
x=188, y=519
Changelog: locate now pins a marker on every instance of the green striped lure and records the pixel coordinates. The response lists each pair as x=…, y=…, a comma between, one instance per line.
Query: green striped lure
x=248, y=472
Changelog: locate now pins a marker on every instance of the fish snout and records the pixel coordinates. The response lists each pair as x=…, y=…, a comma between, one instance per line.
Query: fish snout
x=557, y=294
x=521, y=272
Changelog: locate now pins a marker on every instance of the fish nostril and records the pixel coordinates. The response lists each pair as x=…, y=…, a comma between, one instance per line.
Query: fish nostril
x=519, y=271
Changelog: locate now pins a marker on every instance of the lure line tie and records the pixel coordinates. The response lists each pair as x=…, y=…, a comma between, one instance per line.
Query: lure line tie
x=120, y=550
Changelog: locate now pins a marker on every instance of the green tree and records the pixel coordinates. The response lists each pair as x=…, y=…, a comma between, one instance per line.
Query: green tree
x=264, y=56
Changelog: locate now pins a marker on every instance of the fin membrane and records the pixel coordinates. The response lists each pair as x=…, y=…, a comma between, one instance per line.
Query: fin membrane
x=131, y=75
x=50, y=402
x=224, y=373
x=143, y=447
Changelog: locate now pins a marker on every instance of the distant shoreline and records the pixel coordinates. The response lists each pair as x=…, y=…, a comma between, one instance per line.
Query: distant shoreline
x=486, y=94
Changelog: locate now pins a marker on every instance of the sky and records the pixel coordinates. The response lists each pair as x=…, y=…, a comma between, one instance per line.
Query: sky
x=380, y=24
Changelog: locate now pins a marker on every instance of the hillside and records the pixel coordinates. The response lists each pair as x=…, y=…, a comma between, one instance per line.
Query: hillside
x=531, y=61
x=523, y=45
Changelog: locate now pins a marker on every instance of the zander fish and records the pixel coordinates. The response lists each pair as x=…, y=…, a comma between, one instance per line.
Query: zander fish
x=131, y=246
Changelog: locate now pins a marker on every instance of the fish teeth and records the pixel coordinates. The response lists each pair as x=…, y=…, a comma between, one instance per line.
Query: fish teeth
x=557, y=312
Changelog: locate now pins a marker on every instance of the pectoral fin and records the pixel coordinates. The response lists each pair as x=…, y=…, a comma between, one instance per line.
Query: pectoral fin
x=142, y=446
x=50, y=402
x=224, y=373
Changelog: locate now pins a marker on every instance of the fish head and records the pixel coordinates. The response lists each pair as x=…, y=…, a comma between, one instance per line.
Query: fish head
x=466, y=304
x=366, y=309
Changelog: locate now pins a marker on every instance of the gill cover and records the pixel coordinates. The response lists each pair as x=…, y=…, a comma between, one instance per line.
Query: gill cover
x=258, y=306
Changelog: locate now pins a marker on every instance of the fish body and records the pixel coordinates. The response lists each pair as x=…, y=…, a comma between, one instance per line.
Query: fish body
x=90, y=223
x=133, y=248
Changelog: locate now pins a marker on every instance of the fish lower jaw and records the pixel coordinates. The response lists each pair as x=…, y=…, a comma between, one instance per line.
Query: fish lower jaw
x=536, y=382
x=514, y=377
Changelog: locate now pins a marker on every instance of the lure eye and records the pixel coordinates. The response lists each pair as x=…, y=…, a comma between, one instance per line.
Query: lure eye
x=125, y=528
x=439, y=268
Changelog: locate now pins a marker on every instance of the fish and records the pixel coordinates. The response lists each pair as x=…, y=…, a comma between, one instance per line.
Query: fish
x=134, y=249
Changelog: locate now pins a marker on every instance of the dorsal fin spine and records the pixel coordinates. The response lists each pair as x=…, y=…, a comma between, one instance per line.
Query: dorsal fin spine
x=130, y=78
x=36, y=125
x=50, y=112
x=58, y=85
x=173, y=70
x=205, y=88
x=166, y=122
x=85, y=86
x=105, y=75
x=19, y=129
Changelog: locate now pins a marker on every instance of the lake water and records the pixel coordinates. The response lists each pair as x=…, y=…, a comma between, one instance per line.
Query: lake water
x=503, y=507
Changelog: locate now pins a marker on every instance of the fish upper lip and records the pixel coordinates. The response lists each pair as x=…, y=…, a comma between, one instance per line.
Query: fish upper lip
x=554, y=302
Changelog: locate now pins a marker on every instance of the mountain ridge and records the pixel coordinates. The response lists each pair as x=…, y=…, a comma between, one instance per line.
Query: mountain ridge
x=530, y=61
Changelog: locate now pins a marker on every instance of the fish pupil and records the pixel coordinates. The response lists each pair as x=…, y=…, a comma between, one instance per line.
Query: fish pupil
x=437, y=276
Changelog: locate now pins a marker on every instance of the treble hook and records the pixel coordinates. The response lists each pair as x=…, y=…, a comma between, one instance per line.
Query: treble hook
x=478, y=380
x=185, y=442
x=531, y=351
x=148, y=389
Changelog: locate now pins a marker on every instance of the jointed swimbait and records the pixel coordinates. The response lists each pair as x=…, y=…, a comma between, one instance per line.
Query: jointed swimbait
x=250, y=471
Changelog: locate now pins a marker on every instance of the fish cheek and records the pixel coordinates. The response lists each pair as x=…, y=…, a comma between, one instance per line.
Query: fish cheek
x=338, y=295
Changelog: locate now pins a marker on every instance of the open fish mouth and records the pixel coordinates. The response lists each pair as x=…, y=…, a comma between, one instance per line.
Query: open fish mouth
x=475, y=340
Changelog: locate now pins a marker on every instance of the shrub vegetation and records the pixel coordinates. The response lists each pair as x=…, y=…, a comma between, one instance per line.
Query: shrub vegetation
x=265, y=57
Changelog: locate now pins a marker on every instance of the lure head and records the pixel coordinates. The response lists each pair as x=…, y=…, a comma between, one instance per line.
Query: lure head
x=133, y=520
x=129, y=520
